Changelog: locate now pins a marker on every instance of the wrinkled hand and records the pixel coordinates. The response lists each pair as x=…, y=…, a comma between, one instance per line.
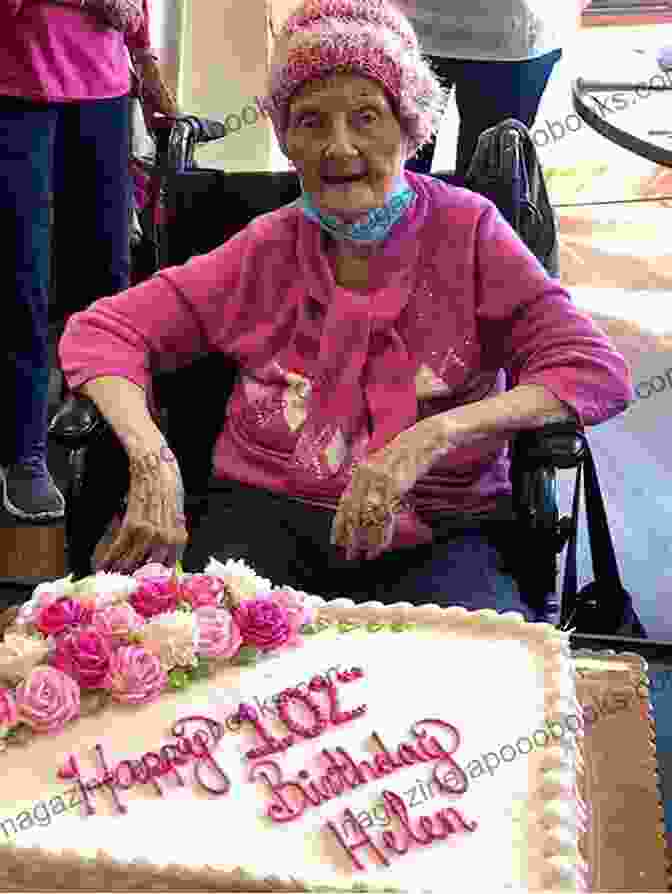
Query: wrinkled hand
x=153, y=528
x=365, y=518
x=122, y=15
x=156, y=95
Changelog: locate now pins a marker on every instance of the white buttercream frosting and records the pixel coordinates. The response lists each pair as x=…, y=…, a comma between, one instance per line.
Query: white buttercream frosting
x=498, y=680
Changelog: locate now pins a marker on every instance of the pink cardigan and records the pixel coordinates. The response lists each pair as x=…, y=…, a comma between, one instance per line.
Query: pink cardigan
x=54, y=53
x=473, y=301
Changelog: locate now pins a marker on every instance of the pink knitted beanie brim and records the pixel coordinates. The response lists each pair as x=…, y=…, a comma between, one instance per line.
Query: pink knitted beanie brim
x=367, y=37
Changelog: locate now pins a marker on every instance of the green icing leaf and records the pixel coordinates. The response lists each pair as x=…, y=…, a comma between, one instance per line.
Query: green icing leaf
x=179, y=570
x=348, y=626
x=14, y=731
x=247, y=655
x=82, y=585
x=178, y=679
x=373, y=627
x=319, y=625
x=202, y=670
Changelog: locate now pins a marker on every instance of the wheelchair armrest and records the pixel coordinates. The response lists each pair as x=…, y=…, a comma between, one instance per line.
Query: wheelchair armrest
x=558, y=445
x=536, y=455
x=76, y=423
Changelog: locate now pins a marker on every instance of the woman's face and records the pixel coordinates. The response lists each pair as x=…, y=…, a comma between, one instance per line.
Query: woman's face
x=346, y=143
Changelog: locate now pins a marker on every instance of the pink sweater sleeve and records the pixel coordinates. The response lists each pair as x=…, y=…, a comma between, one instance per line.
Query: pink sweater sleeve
x=530, y=327
x=167, y=321
x=14, y=6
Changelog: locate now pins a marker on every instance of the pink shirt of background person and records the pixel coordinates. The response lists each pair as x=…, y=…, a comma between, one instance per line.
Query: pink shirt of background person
x=55, y=53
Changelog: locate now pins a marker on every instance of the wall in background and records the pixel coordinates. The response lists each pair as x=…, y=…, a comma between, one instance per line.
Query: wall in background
x=222, y=48
x=165, y=27
x=215, y=54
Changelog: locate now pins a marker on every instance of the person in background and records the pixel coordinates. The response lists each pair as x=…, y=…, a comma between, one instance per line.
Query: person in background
x=498, y=54
x=64, y=132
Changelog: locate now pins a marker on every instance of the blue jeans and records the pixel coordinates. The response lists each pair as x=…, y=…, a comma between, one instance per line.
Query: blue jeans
x=288, y=542
x=486, y=94
x=79, y=153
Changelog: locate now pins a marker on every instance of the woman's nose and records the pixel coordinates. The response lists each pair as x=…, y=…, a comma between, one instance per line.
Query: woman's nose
x=339, y=140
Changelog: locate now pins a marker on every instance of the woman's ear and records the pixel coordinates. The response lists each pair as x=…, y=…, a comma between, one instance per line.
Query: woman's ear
x=408, y=152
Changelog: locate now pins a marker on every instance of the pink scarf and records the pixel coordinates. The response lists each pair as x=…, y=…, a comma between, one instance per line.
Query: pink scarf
x=361, y=361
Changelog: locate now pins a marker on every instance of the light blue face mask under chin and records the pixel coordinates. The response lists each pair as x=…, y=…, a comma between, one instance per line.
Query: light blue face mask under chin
x=378, y=222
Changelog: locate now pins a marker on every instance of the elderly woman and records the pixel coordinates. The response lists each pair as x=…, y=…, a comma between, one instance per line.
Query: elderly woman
x=363, y=451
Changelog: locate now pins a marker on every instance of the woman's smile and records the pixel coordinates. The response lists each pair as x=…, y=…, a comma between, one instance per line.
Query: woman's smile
x=343, y=180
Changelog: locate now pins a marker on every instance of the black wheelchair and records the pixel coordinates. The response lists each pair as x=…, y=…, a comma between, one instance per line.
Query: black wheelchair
x=200, y=209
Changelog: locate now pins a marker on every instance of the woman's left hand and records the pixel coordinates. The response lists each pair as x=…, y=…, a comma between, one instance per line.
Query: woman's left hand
x=156, y=95
x=122, y=15
x=364, y=522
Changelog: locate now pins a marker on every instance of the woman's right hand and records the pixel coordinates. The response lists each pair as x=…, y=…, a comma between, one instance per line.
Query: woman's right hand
x=123, y=15
x=153, y=528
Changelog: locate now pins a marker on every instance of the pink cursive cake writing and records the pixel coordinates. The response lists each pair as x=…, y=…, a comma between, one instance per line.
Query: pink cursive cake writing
x=291, y=797
x=308, y=702
x=152, y=766
x=449, y=822
x=306, y=715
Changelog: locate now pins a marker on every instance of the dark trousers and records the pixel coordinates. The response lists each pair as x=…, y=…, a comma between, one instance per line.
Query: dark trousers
x=79, y=154
x=288, y=543
x=486, y=94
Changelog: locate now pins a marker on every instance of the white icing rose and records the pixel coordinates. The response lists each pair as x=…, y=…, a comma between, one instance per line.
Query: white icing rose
x=43, y=594
x=19, y=654
x=173, y=638
x=105, y=588
x=243, y=582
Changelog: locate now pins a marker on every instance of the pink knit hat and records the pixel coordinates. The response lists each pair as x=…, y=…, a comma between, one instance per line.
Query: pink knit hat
x=368, y=37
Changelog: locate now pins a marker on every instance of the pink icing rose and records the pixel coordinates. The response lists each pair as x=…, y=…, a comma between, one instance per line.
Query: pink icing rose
x=298, y=611
x=29, y=611
x=153, y=570
x=135, y=676
x=47, y=700
x=263, y=623
x=84, y=654
x=154, y=596
x=219, y=634
x=62, y=614
x=117, y=622
x=201, y=589
x=8, y=713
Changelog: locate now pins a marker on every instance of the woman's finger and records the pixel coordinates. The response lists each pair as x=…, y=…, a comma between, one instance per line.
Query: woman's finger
x=339, y=535
x=124, y=551
x=138, y=532
x=164, y=555
x=352, y=544
x=119, y=547
x=145, y=540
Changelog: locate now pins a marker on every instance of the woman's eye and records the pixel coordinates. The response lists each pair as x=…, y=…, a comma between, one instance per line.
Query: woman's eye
x=367, y=117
